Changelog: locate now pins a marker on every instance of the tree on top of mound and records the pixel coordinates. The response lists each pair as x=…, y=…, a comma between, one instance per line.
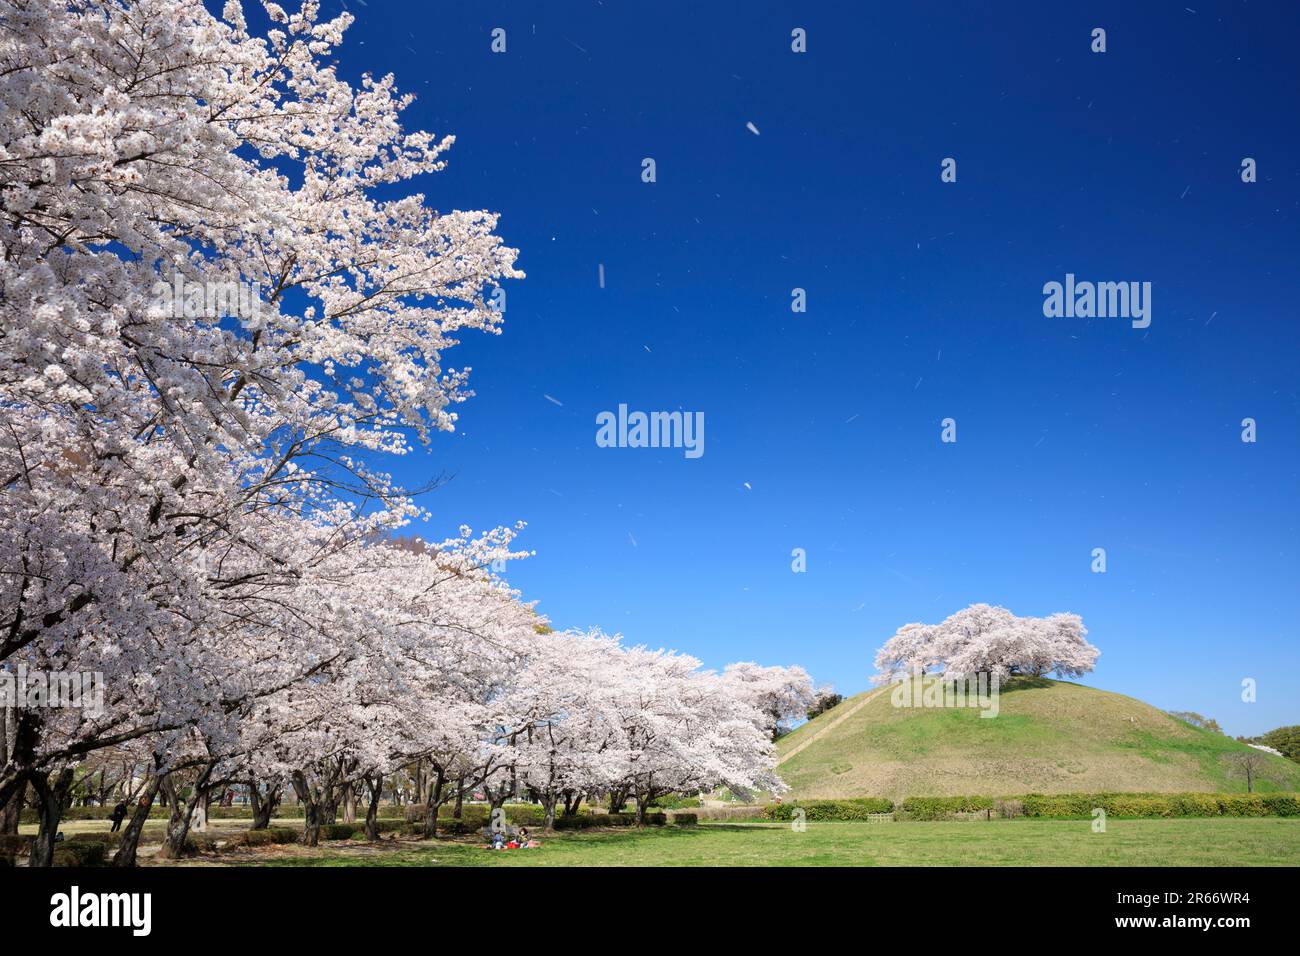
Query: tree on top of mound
x=983, y=639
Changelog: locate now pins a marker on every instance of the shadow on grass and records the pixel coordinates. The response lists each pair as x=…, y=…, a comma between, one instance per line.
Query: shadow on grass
x=459, y=851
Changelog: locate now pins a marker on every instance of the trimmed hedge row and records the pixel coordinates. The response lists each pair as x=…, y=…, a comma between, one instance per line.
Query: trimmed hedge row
x=943, y=808
x=349, y=831
x=102, y=836
x=81, y=849
x=751, y=813
x=92, y=813
x=858, y=809
x=79, y=853
x=476, y=815
x=586, y=821
x=76, y=854
x=470, y=823
x=246, y=813
x=1154, y=805
x=265, y=837
x=1050, y=806
x=387, y=811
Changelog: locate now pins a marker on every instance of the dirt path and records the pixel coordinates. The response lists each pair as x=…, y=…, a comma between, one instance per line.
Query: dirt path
x=833, y=724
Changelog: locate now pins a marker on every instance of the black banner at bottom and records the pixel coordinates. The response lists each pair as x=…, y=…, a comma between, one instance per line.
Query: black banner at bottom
x=296, y=905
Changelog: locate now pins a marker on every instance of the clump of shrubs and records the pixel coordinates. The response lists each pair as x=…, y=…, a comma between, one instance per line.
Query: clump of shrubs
x=944, y=808
x=199, y=843
x=104, y=837
x=1009, y=809
x=79, y=853
x=265, y=837
x=589, y=820
x=476, y=814
x=13, y=846
x=859, y=809
x=338, y=831
x=675, y=803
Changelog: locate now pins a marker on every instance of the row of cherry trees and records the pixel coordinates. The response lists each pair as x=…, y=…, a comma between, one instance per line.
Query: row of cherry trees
x=188, y=504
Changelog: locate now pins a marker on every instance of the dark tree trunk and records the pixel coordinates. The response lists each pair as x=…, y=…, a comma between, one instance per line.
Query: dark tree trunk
x=126, y=849
x=311, y=823
x=177, y=820
x=19, y=735
x=264, y=807
x=311, y=820
x=460, y=796
x=50, y=802
x=617, y=798
x=349, y=803
x=182, y=815
x=375, y=788
x=421, y=783
x=572, y=801
x=332, y=790
x=548, y=803
x=11, y=810
x=178, y=829
x=434, y=801
x=261, y=817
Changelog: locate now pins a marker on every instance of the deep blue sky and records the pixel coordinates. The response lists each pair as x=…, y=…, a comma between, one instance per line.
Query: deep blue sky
x=924, y=301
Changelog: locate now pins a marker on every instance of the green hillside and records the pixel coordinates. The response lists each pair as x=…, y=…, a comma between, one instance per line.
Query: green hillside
x=1049, y=737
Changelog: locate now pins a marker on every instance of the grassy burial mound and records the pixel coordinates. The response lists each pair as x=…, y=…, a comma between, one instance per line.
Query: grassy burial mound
x=1048, y=737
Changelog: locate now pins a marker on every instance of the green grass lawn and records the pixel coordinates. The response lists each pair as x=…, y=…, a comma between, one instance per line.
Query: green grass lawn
x=1048, y=737
x=1192, y=842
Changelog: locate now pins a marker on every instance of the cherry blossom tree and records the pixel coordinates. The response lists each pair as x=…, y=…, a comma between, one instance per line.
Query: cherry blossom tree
x=431, y=630
x=174, y=466
x=992, y=640
x=682, y=731
x=782, y=694
x=565, y=726
x=222, y=301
